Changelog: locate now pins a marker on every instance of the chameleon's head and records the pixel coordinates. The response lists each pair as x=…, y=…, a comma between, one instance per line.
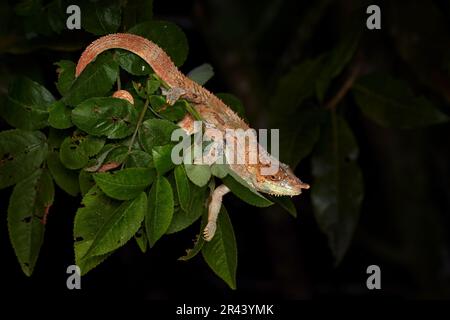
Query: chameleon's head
x=283, y=182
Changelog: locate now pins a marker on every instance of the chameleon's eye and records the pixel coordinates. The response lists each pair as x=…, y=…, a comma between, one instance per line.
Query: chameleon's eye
x=274, y=177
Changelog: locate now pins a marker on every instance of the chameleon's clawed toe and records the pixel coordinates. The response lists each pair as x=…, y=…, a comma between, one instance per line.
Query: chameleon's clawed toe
x=209, y=231
x=173, y=94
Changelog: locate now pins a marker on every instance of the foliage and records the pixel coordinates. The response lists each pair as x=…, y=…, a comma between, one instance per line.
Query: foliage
x=316, y=129
x=116, y=154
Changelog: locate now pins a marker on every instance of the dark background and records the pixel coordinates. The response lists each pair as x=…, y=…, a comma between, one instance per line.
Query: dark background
x=404, y=218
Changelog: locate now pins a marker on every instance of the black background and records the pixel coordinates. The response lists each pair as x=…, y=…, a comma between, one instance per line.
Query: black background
x=404, y=216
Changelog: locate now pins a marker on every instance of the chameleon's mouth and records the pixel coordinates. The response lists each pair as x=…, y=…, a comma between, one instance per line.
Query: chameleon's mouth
x=288, y=189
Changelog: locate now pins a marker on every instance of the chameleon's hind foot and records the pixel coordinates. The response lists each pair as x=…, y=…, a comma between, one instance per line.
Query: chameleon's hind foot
x=213, y=211
x=210, y=230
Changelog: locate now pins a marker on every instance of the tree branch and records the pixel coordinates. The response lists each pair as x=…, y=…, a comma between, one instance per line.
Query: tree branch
x=346, y=86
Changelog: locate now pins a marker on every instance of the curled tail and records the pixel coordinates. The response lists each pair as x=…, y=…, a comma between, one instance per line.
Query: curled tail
x=144, y=48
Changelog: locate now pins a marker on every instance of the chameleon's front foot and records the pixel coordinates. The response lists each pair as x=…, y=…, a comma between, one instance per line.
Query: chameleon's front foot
x=210, y=230
x=173, y=94
x=213, y=211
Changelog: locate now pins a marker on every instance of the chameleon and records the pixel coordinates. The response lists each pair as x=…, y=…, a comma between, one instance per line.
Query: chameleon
x=214, y=113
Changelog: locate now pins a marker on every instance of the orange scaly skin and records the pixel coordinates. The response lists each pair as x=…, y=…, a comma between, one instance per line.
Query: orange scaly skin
x=212, y=110
x=166, y=70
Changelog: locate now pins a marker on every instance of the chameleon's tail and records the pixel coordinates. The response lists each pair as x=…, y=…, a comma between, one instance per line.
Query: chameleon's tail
x=146, y=49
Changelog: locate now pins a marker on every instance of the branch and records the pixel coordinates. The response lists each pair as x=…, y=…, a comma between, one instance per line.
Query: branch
x=138, y=125
x=346, y=86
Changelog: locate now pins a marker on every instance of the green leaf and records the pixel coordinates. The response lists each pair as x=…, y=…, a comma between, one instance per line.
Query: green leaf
x=219, y=170
x=201, y=74
x=66, y=179
x=391, y=103
x=337, y=191
x=36, y=17
x=86, y=181
x=125, y=184
x=162, y=158
x=158, y=102
x=132, y=64
x=167, y=35
x=28, y=206
x=173, y=113
x=299, y=132
x=92, y=145
x=199, y=242
x=27, y=7
x=137, y=11
x=221, y=252
x=199, y=174
x=56, y=138
x=299, y=122
x=152, y=84
x=139, y=159
x=21, y=154
x=117, y=154
x=176, y=112
x=233, y=102
x=96, y=210
x=27, y=104
x=336, y=60
x=182, y=184
x=66, y=75
x=111, y=117
x=75, y=151
x=59, y=116
x=286, y=203
x=120, y=227
x=141, y=239
x=101, y=17
x=160, y=210
x=96, y=164
x=297, y=85
x=56, y=15
x=196, y=207
x=244, y=191
x=95, y=81
x=155, y=132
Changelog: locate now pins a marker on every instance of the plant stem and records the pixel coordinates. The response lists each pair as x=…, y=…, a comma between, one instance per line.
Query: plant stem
x=138, y=125
x=346, y=86
x=193, y=112
x=119, y=84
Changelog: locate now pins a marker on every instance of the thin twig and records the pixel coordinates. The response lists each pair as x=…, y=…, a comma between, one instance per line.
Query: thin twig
x=346, y=86
x=119, y=84
x=138, y=125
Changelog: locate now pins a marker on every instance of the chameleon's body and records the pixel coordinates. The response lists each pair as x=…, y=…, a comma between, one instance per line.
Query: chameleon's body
x=212, y=110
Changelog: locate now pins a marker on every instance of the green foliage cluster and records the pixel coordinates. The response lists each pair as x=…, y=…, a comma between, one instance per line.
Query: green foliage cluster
x=322, y=133
x=117, y=155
